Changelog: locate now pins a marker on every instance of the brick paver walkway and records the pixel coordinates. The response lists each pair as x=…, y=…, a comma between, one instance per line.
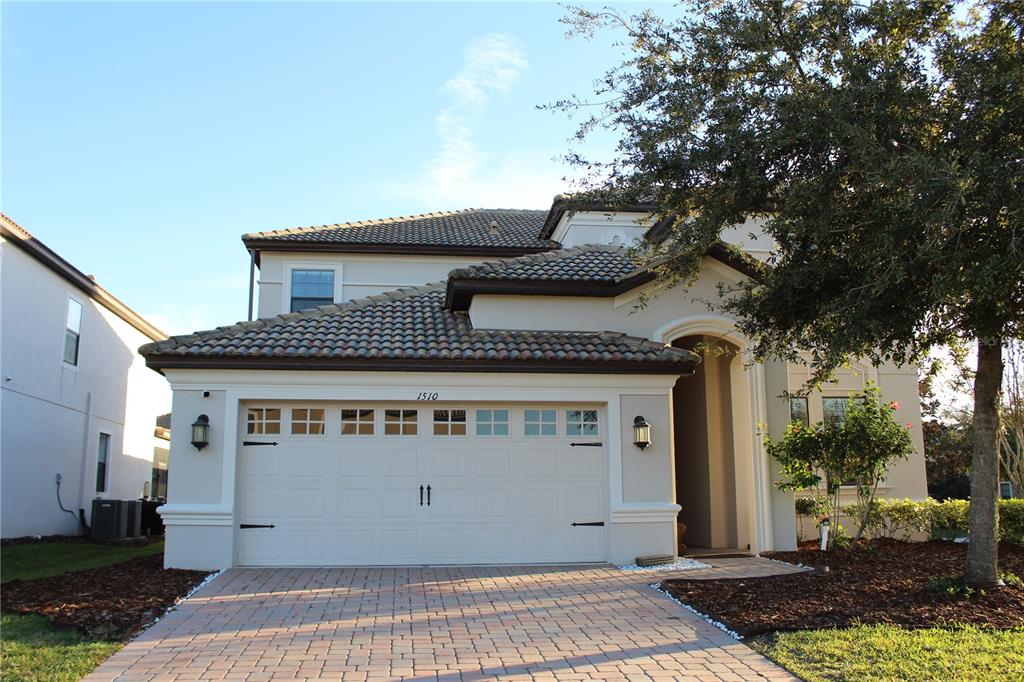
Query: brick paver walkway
x=443, y=623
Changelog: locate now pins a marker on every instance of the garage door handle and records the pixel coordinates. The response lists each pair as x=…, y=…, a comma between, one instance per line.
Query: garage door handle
x=428, y=495
x=421, y=496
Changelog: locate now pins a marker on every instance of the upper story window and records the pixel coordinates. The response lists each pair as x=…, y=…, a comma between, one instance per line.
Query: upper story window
x=834, y=410
x=581, y=422
x=72, y=332
x=798, y=411
x=311, y=288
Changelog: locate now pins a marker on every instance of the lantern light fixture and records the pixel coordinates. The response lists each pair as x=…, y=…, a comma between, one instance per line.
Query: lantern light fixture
x=201, y=432
x=641, y=433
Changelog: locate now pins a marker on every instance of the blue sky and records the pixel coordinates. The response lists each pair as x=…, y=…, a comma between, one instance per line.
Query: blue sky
x=140, y=140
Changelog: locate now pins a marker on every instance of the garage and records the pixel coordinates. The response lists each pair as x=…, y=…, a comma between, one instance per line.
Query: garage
x=379, y=483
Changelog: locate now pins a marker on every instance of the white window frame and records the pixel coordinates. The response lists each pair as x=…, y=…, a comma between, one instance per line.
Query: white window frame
x=492, y=422
x=541, y=422
x=286, y=284
x=582, y=422
x=262, y=422
x=402, y=423
x=106, y=468
x=65, y=329
x=359, y=421
x=449, y=423
x=308, y=422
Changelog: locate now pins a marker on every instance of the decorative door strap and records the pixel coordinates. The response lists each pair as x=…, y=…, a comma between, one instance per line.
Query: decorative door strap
x=586, y=445
x=256, y=525
x=257, y=442
x=589, y=523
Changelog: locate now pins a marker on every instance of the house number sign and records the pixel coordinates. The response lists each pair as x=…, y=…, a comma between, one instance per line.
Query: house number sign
x=426, y=396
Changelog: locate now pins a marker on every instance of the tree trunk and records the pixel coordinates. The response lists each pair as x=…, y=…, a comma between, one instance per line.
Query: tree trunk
x=982, y=549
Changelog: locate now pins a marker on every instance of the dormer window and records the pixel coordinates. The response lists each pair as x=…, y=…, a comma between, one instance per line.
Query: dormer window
x=312, y=288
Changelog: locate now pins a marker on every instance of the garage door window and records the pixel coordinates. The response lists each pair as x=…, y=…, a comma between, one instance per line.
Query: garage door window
x=263, y=420
x=308, y=421
x=357, y=422
x=539, y=423
x=492, y=422
x=449, y=422
x=399, y=422
x=581, y=422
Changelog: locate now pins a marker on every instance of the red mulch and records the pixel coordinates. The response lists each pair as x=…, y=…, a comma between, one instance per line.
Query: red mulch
x=112, y=601
x=883, y=581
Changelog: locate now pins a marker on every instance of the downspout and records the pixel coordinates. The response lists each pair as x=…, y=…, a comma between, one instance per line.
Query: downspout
x=252, y=279
x=85, y=456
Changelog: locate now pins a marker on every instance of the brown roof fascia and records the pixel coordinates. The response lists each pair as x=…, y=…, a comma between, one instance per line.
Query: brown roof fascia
x=22, y=238
x=161, y=362
x=461, y=291
x=259, y=245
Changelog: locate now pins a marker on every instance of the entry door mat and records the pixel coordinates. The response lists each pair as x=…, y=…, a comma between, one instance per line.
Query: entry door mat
x=680, y=564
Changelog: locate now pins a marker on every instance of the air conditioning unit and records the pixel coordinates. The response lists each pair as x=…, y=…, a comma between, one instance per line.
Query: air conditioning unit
x=109, y=520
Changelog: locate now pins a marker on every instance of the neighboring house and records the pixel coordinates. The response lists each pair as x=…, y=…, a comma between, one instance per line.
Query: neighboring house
x=76, y=400
x=463, y=388
x=161, y=453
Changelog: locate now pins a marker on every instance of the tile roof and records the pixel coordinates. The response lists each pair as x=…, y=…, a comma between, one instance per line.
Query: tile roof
x=471, y=228
x=587, y=263
x=409, y=329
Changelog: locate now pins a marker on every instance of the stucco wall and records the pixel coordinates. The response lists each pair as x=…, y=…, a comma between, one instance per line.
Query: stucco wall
x=51, y=413
x=356, y=275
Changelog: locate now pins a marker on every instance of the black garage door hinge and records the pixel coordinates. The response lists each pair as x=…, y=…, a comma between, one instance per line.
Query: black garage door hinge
x=256, y=525
x=586, y=445
x=589, y=523
x=258, y=442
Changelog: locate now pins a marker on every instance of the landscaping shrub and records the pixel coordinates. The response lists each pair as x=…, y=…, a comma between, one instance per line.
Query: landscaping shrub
x=945, y=520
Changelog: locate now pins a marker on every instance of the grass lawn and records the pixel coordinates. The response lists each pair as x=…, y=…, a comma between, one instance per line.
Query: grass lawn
x=32, y=560
x=884, y=652
x=32, y=649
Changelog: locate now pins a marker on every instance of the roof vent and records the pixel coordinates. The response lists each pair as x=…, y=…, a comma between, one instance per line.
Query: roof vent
x=494, y=228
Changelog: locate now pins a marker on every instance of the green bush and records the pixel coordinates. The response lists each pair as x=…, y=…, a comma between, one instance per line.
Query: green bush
x=946, y=520
x=812, y=506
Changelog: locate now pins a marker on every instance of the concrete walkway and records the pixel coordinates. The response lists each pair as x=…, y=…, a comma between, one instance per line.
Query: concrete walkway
x=441, y=623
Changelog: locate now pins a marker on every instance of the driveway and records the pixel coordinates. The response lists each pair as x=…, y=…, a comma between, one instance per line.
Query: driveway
x=442, y=623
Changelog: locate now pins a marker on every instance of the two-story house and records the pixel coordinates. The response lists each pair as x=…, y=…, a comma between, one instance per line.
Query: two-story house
x=480, y=386
x=78, y=406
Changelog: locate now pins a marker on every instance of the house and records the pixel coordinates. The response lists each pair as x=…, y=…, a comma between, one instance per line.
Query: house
x=480, y=386
x=77, y=404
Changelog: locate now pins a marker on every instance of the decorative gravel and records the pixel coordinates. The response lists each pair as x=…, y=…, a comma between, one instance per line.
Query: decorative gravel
x=680, y=564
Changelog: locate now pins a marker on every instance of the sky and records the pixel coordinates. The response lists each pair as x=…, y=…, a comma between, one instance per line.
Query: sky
x=140, y=140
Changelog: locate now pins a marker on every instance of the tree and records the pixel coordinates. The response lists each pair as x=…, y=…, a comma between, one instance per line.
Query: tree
x=880, y=144
x=825, y=456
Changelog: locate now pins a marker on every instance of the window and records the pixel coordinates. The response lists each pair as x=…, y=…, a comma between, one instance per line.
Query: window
x=798, y=411
x=357, y=422
x=399, y=422
x=102, y=458
x=158, y=485
x=72, y=332
x=311, y=288
x=308, y=421
x=834, y=410
x=539, y=423
x=263, y=420
x=492, y=422
x=581, y=422
x=449, y=422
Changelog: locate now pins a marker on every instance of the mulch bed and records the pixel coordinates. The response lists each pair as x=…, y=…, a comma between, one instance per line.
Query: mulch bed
x=883, y=581
x=108, y=602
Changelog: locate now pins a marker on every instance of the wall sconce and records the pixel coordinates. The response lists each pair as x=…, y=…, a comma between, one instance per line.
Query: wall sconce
x=201, y=432
x=641, y=433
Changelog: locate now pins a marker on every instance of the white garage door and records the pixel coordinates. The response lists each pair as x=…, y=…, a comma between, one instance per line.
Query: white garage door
x=415, y=484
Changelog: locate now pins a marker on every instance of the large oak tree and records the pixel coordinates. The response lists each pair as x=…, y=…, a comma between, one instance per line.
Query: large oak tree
x=882, y=146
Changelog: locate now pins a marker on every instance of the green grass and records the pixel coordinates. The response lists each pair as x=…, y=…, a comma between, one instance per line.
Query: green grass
x=883, y=652
x=33, y=649
x=33, y=560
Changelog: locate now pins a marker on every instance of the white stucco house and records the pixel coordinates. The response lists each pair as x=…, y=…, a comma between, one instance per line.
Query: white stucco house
x=462, y=387
x=76, y=400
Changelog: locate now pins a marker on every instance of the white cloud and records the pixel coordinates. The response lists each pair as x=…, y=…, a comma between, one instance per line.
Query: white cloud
x=462, y=173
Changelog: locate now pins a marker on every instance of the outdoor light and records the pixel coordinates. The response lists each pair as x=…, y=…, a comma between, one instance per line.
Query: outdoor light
x=641, y=432
x=201, y=432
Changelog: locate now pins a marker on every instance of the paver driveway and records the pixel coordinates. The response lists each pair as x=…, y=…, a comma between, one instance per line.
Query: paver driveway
x=447, y=623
